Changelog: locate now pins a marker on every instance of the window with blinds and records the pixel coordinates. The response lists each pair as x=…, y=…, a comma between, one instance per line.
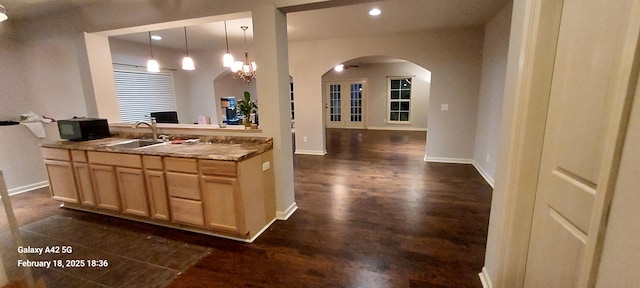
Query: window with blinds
x=141, y=92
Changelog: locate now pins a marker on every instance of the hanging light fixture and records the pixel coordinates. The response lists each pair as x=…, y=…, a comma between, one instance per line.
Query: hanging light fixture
x=245, y=71
x=3, y=13
x=227, y=59
x=152, y=64
x=187, y=62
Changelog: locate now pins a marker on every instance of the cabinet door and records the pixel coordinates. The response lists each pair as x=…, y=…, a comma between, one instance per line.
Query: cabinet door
x=83, y=182
x=105, y=185
x=157, y=192
x=62, y=181
x=132, y=191
x=187, y=211
x=223, y=204
x=182, y=185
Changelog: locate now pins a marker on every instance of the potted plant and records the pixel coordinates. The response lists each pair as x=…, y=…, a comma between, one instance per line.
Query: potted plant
x=245, y=107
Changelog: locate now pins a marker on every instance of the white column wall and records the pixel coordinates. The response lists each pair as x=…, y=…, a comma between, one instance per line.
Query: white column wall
x=270, y=26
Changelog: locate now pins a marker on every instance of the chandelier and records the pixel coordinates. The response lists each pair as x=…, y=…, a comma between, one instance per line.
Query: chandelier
x=244, y=70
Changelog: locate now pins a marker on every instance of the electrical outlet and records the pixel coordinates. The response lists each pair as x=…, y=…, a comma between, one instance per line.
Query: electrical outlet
x=304, y=139
x=266, y=166
x=444, y=107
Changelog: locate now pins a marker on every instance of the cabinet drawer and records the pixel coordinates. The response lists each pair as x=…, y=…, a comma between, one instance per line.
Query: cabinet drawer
x=183, y=185
x=213, y=167
x=79, y=156
x=152, y=162
x=181, y=165
x=115, y=159
x=187, y=211
x=55, y=154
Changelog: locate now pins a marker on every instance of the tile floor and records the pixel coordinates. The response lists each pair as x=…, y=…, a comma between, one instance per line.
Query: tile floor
x=134, y=259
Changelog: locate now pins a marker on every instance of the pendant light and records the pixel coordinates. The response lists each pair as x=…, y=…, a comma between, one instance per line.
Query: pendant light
x=187, y=62
x=227, y=59
x=3, y=13
x=152, y=64
x=247, y=70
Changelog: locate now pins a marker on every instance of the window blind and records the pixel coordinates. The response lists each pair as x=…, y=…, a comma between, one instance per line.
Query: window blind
x=141, y=92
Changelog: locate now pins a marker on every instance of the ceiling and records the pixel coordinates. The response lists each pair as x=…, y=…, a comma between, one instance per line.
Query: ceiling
x=345, y=21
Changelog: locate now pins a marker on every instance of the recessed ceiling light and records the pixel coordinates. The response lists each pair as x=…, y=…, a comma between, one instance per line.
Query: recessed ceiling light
x=374, y=12
x=156, y=37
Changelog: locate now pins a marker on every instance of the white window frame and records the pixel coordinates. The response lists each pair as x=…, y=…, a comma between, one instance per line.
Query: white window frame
x=399, y=100
x=157, y=95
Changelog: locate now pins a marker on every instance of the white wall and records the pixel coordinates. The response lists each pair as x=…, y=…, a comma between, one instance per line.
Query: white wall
x=42, y=76
x=53, y=56
x=377, y=88
x=494, y=64
x=14, y=97
x=454, y=57
x=193, y=90
x=202, y=96
x=20, y=158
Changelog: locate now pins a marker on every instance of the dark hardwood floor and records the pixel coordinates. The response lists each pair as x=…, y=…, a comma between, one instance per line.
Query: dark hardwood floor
x=371, y=213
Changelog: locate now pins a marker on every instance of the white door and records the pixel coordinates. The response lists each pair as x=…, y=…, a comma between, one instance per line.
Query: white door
x=344, y=104
x=584, y=123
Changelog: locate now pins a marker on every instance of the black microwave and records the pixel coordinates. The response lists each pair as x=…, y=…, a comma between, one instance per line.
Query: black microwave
x=79, y=129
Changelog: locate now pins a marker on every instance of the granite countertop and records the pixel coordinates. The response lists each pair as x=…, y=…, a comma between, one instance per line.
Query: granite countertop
x=212, y=148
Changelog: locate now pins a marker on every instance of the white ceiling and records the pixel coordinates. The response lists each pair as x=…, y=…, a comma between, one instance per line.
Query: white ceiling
x=397, y=16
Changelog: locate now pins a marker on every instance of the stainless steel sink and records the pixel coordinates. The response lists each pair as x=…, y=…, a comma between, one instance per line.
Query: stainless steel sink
x=136, y=143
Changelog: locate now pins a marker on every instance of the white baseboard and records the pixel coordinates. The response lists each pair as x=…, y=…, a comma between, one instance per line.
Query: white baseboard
x=484, y=278
x=27, y=188
x=398, y=127
x=448, y=160
x=284, y=215
x=483, y=173
x=310, y=152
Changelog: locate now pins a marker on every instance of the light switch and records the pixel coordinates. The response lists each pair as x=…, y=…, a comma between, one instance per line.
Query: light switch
x=444, y=107
x=266, y=166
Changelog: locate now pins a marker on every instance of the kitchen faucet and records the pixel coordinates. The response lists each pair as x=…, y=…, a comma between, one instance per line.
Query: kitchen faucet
x=153, y=125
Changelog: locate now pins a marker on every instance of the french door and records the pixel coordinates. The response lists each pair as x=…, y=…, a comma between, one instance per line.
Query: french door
x=344, y=104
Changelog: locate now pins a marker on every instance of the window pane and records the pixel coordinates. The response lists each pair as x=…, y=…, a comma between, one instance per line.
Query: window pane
x=140, y=93
x=395, y=106
x=404, y=116
x=395, y=84
x=395, y=94
x=394, y=116
x=406, y=83
x=404, y=106
x=406, y=94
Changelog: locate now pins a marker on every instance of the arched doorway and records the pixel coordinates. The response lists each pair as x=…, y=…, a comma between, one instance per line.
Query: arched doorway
x=381, y=93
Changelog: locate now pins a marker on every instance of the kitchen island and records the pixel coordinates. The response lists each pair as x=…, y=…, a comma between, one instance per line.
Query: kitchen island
x=222, y=186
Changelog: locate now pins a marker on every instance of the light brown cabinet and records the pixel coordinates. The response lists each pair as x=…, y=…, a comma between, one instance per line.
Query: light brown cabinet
x=83, y=177
x=118, y=182
x=105, y=185
x=156, y=187
x=184, y=191
x=229, y=198
x=132, y=191
x=61, y=181
x=223, y=204
x=61, y=176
